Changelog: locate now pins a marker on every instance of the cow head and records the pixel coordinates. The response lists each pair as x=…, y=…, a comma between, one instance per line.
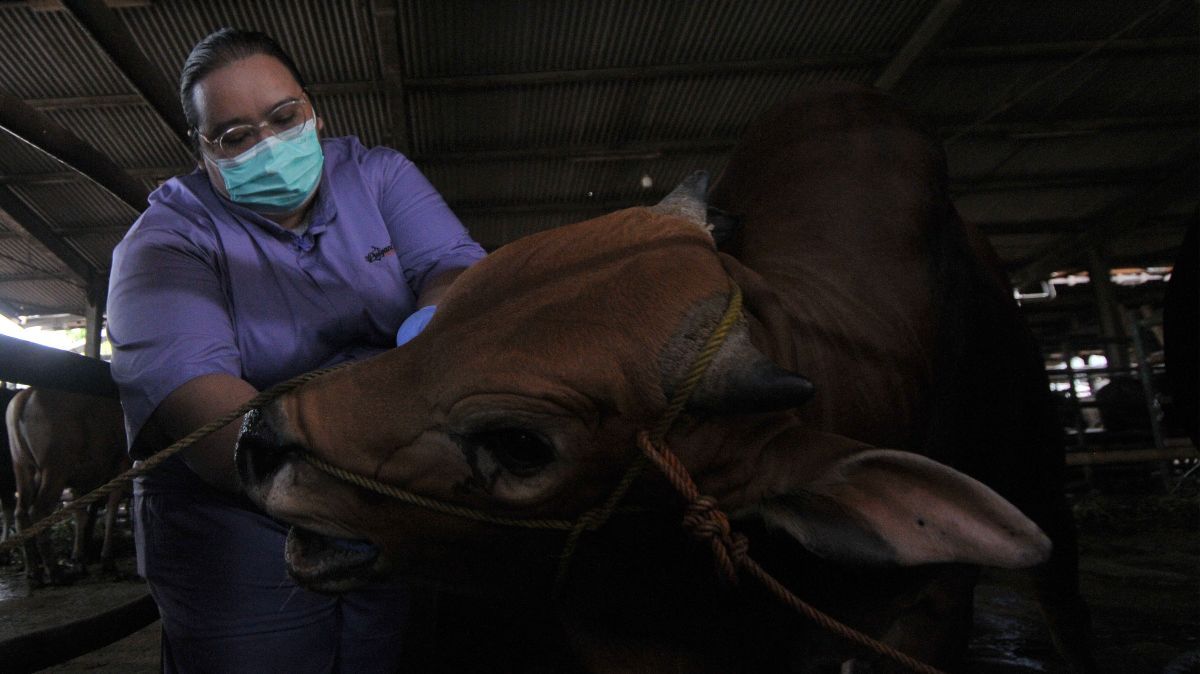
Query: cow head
x=523, y=397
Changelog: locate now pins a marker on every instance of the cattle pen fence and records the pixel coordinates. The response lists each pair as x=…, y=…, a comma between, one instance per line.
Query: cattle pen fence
x=1118, y=411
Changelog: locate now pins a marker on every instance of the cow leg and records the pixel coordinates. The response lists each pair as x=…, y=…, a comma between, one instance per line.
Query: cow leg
x=8, y=525
x=85, y=524
x=24, y=520
x=7, y=519
x=48, y=498
x=107, y=565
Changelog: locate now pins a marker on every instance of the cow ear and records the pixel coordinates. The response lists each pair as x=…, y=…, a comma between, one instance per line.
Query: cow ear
x=880, y=506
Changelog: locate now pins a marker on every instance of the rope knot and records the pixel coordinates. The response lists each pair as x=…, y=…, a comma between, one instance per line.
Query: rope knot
x=705, y=521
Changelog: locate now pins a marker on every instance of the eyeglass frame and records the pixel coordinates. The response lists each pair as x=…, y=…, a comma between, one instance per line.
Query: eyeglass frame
x=258, y=126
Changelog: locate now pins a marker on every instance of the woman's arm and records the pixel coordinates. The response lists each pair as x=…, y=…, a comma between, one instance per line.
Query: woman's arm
x=175, y=355
x=196, y=403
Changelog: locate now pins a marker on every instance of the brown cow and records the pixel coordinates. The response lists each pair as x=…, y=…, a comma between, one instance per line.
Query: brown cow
x=61, y=440
x=525, y=393
x=8, y=484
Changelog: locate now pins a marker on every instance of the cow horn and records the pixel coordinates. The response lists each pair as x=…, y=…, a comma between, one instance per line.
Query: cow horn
x=688, y=200
x=740, y=379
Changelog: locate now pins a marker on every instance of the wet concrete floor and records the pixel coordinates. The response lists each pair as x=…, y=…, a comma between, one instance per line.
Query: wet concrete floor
x=1140, y=573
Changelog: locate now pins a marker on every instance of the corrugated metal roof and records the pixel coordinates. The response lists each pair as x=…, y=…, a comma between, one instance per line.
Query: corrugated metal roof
x=528, y=115
x=47, y=55
x=330, y=40
x=18, y=157
x=133, y=136
x=1032, y=21
x=38, y=297
x=20, y=255
x=58, y=204
x=516, y=37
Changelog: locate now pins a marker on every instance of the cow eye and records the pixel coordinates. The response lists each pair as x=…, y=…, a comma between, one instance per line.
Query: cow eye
x=522, y=453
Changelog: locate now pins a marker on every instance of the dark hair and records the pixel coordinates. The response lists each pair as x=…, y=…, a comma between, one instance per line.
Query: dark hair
x=217, y=50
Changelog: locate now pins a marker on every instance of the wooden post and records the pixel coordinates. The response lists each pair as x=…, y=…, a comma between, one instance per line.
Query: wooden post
x=94, y=316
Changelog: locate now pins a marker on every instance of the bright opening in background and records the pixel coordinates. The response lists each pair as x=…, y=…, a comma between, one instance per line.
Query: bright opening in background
x=58, y=339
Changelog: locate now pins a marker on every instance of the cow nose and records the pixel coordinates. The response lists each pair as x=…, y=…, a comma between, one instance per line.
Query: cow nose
x=258, y=452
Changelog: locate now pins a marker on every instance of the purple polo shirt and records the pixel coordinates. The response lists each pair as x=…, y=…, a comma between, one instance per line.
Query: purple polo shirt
x=200, y=285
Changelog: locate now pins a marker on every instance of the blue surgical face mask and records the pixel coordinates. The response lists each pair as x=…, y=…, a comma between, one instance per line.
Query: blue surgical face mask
x=278, y=174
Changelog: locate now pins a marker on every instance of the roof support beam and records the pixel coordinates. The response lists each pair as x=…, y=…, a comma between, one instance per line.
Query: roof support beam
x=1182, y=45
x=43, y=133
x=592, y=75
x=387, y=37
x=919, y=44
x=60, y=177
x=114, y=38
x=55, y=140
x=656, y=149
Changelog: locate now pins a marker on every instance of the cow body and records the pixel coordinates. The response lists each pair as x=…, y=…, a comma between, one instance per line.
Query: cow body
x=8, y=483
x=60, y=440
x=525, y=393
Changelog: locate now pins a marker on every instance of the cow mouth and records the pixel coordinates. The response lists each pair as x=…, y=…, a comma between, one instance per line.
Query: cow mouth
x=329, y=565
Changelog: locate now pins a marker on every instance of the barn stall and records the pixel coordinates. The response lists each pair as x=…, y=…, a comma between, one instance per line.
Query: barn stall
x=1070, y=129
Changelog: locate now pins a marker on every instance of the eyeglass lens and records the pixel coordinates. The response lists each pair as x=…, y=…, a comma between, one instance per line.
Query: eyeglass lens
x=237, y=139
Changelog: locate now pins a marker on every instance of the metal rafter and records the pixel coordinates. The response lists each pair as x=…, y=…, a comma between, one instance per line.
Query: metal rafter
x=922, y=41
x=1027, y=130
x=107, y=29
x=50, y=137
x=43, y=133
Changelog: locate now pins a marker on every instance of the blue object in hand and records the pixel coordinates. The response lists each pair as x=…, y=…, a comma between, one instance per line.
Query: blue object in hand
x=414, y=324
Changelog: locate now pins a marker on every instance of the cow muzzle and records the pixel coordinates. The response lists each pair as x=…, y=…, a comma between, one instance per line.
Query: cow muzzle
x=259, y=452
x=320, y=562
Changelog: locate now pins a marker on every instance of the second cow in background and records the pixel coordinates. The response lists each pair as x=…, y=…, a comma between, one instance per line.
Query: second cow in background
x=62, y=440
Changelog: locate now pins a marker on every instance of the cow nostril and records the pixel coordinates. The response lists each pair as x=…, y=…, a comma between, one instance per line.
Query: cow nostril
x=258, y=452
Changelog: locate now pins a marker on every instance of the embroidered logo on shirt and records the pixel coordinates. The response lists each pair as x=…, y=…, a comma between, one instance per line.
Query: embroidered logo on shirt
x=378, y=254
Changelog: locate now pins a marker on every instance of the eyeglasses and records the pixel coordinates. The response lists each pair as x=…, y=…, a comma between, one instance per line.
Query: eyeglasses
x=287, y=117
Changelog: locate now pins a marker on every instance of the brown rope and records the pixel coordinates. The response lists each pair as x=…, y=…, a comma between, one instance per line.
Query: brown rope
x=705, y=521
x=596, y=517
x=120, y=481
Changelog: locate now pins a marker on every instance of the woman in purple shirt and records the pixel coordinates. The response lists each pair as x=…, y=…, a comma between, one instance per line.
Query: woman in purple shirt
x=279, y=254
